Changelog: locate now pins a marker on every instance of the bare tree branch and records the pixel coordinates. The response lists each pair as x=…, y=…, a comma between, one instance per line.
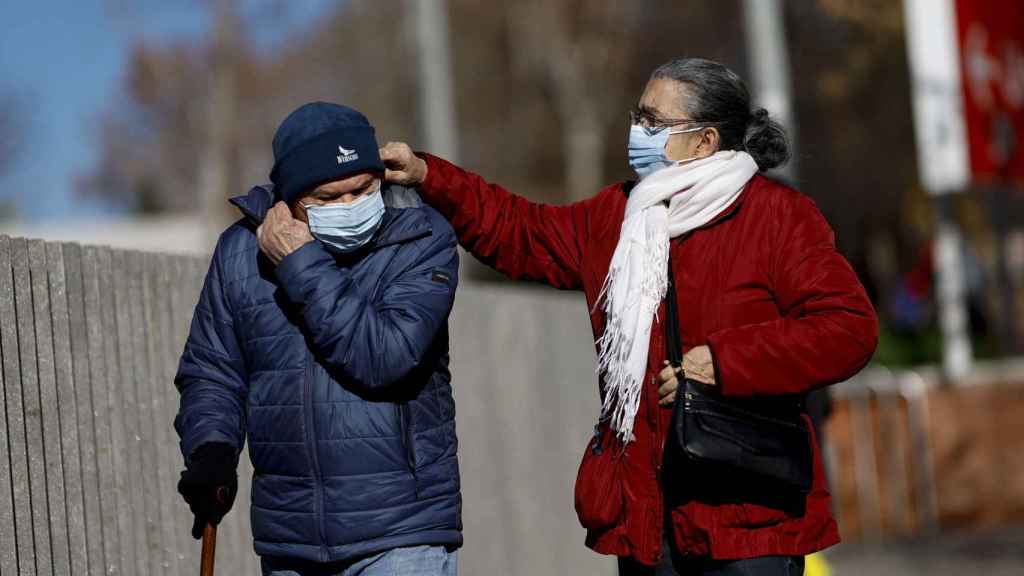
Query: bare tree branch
x=569, y=46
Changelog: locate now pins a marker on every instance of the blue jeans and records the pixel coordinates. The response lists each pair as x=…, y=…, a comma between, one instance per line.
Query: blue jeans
x=413, y=561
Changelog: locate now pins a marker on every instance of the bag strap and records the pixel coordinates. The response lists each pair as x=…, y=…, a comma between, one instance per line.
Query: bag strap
x=673, y=338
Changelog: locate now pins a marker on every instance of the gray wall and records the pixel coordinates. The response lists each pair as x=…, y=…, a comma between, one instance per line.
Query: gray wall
x=90, y=337
x=527, y=399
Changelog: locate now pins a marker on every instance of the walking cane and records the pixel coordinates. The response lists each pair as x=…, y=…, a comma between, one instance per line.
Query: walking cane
x=209, y=548
x=210, y=539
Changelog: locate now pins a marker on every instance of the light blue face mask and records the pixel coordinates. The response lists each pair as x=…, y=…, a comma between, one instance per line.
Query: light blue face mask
x=647, y=151
x=346, y=227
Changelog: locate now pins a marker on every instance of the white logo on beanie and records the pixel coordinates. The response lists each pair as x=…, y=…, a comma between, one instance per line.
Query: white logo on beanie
x=346, y=155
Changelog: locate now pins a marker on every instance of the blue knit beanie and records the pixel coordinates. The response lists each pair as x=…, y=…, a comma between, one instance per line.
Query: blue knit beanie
x=321, y=142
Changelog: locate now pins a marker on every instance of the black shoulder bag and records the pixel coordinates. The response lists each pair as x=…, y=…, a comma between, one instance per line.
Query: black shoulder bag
x=764, y=437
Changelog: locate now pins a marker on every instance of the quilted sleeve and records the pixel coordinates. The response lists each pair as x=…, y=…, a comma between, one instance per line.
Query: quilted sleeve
x=828, y=330
x=211, y=375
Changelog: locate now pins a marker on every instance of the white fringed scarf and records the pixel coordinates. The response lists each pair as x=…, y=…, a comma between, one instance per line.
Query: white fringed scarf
x=637, y=279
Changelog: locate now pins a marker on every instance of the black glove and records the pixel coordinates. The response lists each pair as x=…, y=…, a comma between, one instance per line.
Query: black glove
x=209, y=484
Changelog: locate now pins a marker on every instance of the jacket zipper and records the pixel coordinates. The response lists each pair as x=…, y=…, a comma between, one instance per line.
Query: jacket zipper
x=318, y=495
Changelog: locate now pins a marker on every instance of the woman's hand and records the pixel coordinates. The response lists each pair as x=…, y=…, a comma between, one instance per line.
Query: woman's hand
x=403, y=167
x=697, y=365
x=669, y=380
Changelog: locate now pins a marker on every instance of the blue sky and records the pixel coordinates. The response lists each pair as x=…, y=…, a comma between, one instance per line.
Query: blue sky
x=64, y=60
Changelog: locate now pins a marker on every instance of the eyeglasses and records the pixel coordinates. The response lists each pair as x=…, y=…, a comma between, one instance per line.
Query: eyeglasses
x=653, y=125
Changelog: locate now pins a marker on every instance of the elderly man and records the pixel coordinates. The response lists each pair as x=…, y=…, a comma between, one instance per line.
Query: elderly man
x=321, y=335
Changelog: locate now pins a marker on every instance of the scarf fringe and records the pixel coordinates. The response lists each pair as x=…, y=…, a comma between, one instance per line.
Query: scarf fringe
x=623, y=382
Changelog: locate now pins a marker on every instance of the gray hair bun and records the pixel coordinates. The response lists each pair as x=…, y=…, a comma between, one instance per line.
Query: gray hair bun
x=766, y=140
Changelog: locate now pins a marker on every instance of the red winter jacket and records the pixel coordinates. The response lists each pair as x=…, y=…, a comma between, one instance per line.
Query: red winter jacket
x=762, y=285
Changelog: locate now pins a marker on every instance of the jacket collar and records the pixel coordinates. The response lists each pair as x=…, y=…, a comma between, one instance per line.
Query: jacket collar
x=255, y=205
x=398, y=226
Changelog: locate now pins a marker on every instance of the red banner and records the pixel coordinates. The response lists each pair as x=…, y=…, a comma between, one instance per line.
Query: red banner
x=991, y=36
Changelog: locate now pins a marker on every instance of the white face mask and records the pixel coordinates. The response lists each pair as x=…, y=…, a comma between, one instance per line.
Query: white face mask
x=646, y=151
x=346, y=227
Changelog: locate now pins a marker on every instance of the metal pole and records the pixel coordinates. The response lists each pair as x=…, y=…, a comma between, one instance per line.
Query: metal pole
x=951, y=292
x=769, y=69
x=933, y=53
x=437, y=100
x=437, y=103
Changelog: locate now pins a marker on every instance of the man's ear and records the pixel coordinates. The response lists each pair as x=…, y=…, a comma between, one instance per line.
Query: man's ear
x=298, y=211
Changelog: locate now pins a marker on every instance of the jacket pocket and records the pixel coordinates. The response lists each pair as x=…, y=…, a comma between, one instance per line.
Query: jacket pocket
x=598, y=494
x=405, y=426
x=408, y=442
x=750, y=516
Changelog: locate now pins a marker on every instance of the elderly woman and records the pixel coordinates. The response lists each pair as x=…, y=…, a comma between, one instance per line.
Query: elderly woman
x=766, y=309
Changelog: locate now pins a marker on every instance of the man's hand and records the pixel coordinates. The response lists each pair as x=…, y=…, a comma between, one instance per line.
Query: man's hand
x=403, y=167
x=209, y=484
x=697, y=366
x=281, y=234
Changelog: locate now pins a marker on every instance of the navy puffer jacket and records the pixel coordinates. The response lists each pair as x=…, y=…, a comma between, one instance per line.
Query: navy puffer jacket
x=337, y=369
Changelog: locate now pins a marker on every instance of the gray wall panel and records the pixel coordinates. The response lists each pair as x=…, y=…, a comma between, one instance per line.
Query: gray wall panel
x=138, y=294
x=33, y=408
x=129, y=408
x=83, y=400
x=121, y=475
x=181, y=310
x=15, y=540
x=99, y=381
x=64, y=373
x=52, y=456
x=157, y=318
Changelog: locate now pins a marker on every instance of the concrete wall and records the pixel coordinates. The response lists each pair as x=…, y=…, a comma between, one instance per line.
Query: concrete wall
x=90, y=338
x=527, y=398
